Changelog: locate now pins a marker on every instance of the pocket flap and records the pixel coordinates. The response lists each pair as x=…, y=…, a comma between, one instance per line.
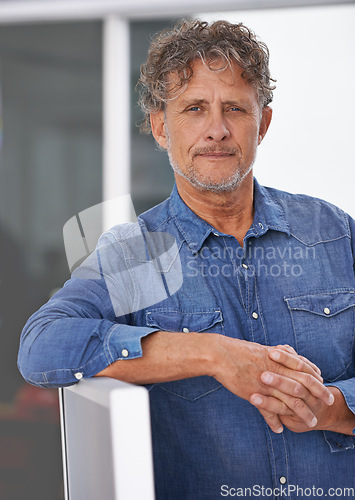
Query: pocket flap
x=175, y=321
x=323, y=304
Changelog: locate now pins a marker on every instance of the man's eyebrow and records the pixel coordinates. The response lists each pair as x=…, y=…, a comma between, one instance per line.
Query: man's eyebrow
x=196, y=101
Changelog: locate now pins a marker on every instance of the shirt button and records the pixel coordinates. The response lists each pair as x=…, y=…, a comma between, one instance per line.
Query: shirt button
x=185, y=330
x=78, y=375
x=326, y=310
x=283, y=480
x=245, y=266
x=124, y=353
x=255, y=315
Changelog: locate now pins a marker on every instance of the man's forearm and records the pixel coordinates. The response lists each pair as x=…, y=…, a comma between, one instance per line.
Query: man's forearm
x=236, y=364
x=166, y=356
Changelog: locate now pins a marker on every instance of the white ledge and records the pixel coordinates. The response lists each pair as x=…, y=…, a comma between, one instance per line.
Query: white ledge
x=21, y=11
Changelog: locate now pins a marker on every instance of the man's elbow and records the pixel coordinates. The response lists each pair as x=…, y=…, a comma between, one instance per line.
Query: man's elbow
x=30, y=367
x=37, y=366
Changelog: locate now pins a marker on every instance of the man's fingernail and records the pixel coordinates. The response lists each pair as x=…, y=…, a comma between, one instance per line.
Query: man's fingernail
x=256, y=400
x=275, y=355
x=314, y=422
x=267, y=378
x=331, y=399
x=279, y=430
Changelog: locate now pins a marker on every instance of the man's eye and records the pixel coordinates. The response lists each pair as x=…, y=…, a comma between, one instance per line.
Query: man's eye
x=194, y=108
x=234, y=108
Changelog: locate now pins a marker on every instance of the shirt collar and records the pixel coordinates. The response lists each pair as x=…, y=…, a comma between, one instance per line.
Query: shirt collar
x=194, y=230
x=268, y=213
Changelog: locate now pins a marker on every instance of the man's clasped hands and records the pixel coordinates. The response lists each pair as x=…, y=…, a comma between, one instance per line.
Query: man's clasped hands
x=286, y=388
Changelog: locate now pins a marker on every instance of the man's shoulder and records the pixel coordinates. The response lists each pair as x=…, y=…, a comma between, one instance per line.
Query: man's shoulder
x=310, y=217
x=298, y=198
x=303, y=202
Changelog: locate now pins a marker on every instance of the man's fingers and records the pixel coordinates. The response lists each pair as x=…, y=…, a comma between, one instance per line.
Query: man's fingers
x=286, y=355
x=266, y=405
x=296, y=406
x=299, y=385
x=312, y=365
x=286, y=347
x=270, y=404
x=273, y=421
x=293, y=361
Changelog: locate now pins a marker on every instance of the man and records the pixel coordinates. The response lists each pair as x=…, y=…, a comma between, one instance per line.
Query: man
x=249, y=357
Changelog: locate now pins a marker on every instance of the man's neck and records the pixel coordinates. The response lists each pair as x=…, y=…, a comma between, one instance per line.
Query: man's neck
x=229, y=212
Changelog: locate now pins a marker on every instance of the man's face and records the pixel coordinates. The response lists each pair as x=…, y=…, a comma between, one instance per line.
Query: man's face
x=212, y=129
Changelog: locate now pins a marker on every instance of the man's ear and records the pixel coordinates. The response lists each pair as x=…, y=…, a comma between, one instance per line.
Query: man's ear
x=157, y=123
x=264, y=122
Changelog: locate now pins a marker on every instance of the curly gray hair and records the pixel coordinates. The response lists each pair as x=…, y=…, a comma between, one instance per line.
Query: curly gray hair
x=175, y=50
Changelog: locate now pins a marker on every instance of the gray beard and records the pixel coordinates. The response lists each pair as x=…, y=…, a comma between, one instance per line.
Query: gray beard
x=207, y=183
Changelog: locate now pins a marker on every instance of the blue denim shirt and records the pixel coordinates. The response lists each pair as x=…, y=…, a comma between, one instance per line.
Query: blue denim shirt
x=291, y=282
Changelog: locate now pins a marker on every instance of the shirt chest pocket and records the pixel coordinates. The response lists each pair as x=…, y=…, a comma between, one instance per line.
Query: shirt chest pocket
x=171, y=320
x=324, y=328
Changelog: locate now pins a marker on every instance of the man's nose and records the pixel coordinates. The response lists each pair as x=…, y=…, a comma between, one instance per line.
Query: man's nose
x=217, y=127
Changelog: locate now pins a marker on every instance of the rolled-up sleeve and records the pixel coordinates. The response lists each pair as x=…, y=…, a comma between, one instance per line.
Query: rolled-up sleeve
x=71, y=349
x=347, y=388
x=76, y=335
x=341, y=442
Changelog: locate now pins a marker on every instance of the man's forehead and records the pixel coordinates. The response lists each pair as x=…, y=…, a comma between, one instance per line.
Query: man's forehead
x=211, y=66
x=222, y=71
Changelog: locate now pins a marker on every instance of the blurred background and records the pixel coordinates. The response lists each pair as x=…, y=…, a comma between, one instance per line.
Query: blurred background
x=69, y=140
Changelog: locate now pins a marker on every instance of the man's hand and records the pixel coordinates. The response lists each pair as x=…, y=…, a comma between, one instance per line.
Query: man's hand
x=277, y=381
x=334, y=415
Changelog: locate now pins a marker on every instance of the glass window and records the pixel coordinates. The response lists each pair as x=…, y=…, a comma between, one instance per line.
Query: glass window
x=50, y=169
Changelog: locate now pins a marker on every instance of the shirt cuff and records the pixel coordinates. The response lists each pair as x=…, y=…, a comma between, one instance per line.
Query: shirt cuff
x=336, y=440
x=347, y=388
x=121, y=342
x=124, y=342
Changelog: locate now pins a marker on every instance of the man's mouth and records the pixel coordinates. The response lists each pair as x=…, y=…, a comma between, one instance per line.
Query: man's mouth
x=214, y=155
